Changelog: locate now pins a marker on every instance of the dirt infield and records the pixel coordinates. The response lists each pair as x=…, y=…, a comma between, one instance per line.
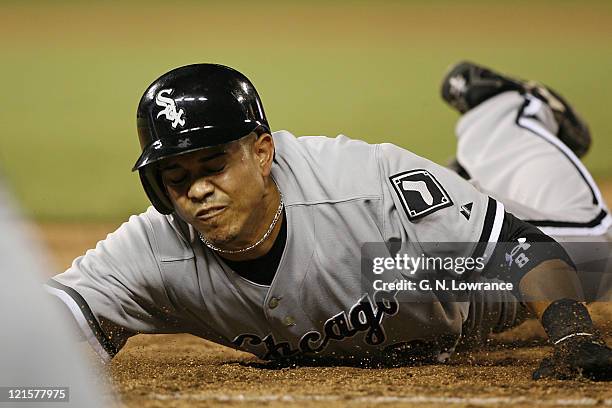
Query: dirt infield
x=180, y=371
x=184, y=371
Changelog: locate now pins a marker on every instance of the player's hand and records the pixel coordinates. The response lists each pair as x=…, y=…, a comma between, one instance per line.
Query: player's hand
x=588, y=357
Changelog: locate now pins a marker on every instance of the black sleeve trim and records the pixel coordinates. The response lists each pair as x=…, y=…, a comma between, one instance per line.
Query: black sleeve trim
x=489, y=221
x=93, y=323
x=487, y=230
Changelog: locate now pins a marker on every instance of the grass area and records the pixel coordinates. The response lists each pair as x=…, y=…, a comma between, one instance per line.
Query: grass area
x=73, y=73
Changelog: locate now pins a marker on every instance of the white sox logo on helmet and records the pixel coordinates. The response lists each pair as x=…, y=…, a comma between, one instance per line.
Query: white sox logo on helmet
x=169, y=108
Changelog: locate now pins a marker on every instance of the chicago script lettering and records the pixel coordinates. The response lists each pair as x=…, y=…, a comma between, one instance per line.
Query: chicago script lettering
x=364, y=316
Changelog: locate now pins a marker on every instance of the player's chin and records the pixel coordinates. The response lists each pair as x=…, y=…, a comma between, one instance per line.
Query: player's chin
x=222, y=240
x=215, y=232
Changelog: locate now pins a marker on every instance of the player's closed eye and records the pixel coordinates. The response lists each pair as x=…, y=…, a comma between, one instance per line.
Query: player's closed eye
x=216, y=169
x=175, y=178
x=177, y=181
x=215, y=165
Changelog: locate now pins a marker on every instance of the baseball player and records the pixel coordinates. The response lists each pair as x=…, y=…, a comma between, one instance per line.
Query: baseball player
x=258, y=241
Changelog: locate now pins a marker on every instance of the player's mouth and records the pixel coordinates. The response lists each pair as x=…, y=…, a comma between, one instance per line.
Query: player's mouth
x=208, y=213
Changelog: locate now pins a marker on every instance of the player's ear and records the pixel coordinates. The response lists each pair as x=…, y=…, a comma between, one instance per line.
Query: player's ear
x=263, y=148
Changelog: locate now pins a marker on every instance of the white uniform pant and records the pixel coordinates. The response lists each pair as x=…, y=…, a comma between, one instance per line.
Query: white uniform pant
x=508, y=147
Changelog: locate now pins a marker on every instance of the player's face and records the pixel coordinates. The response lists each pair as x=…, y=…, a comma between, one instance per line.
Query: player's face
x=220, y=190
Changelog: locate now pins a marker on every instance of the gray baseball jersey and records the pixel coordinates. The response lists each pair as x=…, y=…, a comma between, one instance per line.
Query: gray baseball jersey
x=153, y=275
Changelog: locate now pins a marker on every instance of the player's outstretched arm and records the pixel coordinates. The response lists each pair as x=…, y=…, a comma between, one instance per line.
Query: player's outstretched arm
x=434, y=205
x=547, y=282
x=116, y=290
x=545, y=279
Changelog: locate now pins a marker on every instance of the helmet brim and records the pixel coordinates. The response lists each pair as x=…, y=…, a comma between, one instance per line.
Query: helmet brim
x=194, y=139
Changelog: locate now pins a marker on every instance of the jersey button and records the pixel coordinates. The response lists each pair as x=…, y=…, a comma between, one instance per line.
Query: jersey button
x=289, y=321
x=273, y=302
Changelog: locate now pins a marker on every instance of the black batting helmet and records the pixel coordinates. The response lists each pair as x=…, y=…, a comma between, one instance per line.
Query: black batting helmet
x=190, y=108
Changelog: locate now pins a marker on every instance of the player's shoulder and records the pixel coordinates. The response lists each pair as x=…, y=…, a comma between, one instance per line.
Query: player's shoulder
x=343, y=150
x=328, y=169
x=317, y=145
x=167, y=235
x=395, y=155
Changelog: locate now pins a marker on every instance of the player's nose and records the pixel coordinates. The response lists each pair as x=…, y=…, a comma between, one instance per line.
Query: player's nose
x=200, y=189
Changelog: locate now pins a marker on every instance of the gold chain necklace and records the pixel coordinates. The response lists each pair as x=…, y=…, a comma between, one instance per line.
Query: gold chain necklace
x=279, y=211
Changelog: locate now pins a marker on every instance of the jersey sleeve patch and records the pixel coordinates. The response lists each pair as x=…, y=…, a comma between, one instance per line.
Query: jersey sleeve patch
x=419, y=193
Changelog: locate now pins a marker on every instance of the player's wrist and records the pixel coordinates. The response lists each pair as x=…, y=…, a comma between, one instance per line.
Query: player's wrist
x=567, y=319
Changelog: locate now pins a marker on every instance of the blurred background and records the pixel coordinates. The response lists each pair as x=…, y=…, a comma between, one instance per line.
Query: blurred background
x=73, y=72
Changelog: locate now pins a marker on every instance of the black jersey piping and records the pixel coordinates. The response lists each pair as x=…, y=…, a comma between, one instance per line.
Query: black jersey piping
x=562, y=224
x=95, y=327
